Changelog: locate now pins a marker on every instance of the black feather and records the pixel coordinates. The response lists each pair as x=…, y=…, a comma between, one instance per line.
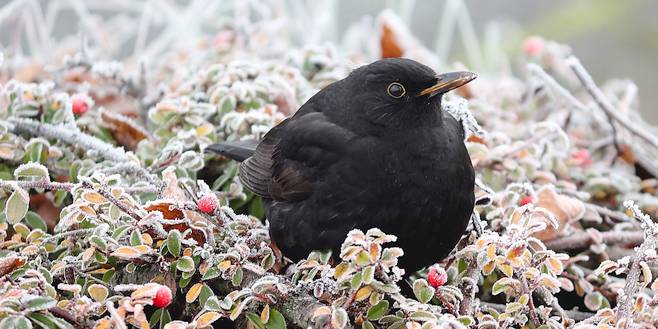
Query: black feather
x=236, y=150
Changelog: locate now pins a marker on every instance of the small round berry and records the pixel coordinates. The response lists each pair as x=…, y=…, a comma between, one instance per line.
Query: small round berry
x=208, y=203
x=533, y=45
x=80, y=104
x=162, y=297
x=526, y=200
x=437, y=276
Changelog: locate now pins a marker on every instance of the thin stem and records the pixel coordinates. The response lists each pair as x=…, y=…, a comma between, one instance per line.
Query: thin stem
x=105, y=193
x=604, y=103
x=584, y=239
x=531, y=304
x=469, y=287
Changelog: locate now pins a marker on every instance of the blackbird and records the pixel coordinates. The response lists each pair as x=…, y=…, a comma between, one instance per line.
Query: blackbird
x=371, y=150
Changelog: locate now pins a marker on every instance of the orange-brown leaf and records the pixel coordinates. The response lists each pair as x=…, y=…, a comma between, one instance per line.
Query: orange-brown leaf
x=388, y=43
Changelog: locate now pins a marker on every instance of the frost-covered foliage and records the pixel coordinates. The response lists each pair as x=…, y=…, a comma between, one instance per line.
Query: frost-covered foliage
x=108, y=200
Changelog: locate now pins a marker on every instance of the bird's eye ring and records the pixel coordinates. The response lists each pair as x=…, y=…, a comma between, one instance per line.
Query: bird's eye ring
x=396, y=90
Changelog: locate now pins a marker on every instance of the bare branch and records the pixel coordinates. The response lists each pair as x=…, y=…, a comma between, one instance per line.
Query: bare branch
x=584, y=239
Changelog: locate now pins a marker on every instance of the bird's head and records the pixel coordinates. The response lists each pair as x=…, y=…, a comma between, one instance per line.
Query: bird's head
x=398, y=92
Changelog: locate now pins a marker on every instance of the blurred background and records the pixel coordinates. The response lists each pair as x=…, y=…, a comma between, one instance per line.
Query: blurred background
x=613, y=39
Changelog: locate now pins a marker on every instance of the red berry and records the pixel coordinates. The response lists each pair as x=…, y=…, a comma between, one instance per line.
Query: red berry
x=533, y=45
x=526, y=200
x=162, y=297
x=80, y=105
x=208, y=203
x=437, y=276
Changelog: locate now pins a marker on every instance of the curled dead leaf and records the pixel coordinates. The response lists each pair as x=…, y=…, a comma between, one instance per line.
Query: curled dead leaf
x=123, y=129
x=566, y=210
x=388, y=43
x=170, y=212
x=9, y=263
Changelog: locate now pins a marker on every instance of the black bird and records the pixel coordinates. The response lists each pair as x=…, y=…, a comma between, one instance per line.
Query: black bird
x=371, y=150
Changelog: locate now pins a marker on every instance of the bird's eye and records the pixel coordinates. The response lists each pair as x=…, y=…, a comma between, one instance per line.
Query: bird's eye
x=396, y=90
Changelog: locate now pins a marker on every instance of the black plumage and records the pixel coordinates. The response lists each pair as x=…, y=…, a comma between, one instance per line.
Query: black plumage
x=371, y=150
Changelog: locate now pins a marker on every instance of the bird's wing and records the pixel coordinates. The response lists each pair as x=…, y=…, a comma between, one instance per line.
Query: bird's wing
x=292, y=157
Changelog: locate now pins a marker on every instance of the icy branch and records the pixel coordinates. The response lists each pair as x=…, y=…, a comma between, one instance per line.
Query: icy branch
x=70, y=135
x=605, y=104
x=584, y=240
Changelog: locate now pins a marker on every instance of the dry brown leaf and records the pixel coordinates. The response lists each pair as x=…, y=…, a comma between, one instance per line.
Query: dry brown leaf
x=10, y=263
x=44, y=206
x=476, y=139
x=388, y=43
x=566, y=209
x=626, y=153
x=123, y=129
x=170, y=212
x=30, y=72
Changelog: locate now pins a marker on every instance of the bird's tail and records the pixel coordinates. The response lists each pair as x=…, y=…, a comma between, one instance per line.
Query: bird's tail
x=236, y=150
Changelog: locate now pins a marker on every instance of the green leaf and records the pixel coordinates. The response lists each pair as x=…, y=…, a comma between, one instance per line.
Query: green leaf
x=212, y=273
x=37, y=303
x=237, y=277
x=31, y=170
x=185, y=264
x=339, y=318
x=120, y=231
x=367, y=325
x=356, y=281
x=46, y=274
x=173, y=242
x=35, y=221
x=135, y=238
x=467, y=320
x=368, y=274
x=15, y=322
x=255, y=320
x=155, y=318
x=594, y=300
x=256, y=208
x=60, y=197
x=276, y=321
x=206, y=293
x=226, y=176
x=185, y=281
x=422, y=316
x=42, y=320
x=423, y=291
x=114, y=212
x=212, y=304
x=74, y=170
x=98, y=242
x=362, y=258
x=227, y=103
x=17, y=206
x=500, y=285
x=107, y=276
x=37, y=152
x=378, y=310
x=513, y=307
x=165, y=318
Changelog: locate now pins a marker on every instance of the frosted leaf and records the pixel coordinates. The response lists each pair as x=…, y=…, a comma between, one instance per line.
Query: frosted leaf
x=32, y=170
x=458, y=108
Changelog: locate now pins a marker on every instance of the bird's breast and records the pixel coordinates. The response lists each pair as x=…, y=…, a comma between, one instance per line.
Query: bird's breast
x=406, y=173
